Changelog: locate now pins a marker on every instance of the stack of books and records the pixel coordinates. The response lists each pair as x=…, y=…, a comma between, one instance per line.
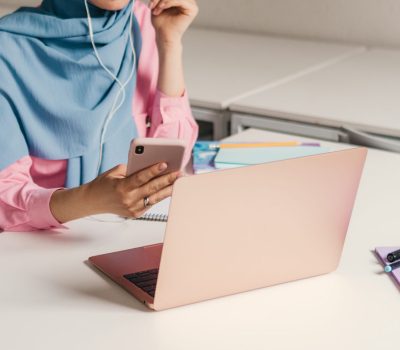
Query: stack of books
x=204, y=153
x=211, y=155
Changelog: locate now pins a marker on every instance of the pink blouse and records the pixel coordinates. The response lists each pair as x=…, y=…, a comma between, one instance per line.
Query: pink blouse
x=27, y=185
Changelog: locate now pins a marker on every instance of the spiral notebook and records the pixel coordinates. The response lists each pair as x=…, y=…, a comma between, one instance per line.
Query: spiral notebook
x=158, y=212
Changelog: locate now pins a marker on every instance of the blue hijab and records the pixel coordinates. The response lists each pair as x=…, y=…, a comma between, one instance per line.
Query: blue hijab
x=55, y=96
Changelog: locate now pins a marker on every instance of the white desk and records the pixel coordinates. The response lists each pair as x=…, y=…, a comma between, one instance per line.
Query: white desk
x=361, y=91
x=222, y=67
x=50, y=299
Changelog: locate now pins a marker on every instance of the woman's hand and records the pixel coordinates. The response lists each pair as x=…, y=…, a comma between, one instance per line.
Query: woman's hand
x=113, y=192
x=171, y=18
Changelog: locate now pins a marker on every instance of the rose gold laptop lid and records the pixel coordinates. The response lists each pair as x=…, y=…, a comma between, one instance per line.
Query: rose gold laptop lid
x=236, y=230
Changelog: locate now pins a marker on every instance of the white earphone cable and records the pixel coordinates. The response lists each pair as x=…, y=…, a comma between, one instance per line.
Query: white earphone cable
x=114, y=107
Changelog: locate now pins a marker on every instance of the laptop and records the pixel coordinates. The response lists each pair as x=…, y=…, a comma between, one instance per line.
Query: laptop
x=241, y=229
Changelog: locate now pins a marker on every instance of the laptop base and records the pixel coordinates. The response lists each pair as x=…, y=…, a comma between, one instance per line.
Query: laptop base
x=117, y=265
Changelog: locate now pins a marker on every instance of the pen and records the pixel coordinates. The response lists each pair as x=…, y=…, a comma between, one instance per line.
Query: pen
x=216, y=145
x=393, y=256
x=256, y=145
x=391, y=267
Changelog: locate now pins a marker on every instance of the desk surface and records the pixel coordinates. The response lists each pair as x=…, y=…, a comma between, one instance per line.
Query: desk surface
x=361, y=91
x=221, y=66
x=50, y=299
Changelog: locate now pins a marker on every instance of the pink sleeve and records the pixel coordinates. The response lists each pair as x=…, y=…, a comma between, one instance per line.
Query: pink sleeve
x=156, y=114
x=24, y=206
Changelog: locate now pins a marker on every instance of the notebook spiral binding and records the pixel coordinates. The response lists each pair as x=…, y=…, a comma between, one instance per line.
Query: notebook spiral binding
x=154, y=217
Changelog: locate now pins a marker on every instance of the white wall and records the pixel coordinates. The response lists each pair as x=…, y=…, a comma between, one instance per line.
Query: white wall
x=7, y=6
x=17, y=3
x=370, y=22
x=4, y=10
x=373, y=22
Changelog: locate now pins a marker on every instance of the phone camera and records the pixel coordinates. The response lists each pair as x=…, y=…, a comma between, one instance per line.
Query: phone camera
x=139, y=150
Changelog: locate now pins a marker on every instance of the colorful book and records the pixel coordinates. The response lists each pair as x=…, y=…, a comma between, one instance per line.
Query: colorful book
x=204, y=153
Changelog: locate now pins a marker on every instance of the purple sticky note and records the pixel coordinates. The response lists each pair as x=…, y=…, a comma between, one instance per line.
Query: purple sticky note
x=382, y=252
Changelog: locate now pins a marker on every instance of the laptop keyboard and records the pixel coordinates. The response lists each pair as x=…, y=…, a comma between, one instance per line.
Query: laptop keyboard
x=145, y=280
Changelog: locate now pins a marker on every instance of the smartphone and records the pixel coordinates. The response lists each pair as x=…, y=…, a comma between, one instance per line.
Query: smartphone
x=145, y=152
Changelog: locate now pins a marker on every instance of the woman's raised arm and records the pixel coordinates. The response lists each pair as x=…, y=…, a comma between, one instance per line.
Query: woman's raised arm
x=161, y=105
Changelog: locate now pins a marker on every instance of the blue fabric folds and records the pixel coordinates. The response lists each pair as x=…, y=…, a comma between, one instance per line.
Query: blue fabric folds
x=55, y=96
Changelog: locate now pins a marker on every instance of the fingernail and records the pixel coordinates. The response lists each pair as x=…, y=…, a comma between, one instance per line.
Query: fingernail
x=163, y=166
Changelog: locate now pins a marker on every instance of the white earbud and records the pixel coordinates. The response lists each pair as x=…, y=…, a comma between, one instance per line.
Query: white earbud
x=115, y=107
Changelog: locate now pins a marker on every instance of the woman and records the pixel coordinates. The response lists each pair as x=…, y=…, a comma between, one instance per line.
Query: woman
x=65, y=68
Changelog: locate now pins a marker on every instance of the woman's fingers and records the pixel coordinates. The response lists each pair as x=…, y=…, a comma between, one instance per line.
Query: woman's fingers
x=118, y=171
x=158, y=184
x=153, y=199
x=156, y=190
x=185, y=5
x=144, y=176
x=160, y=195
x=153, y=4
